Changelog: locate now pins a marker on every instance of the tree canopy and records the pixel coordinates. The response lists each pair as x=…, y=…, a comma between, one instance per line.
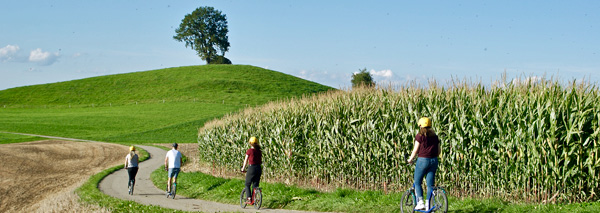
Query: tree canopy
x=205, y=31
x=362, y=78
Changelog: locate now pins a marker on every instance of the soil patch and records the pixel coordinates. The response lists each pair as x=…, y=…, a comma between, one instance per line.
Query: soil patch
x=42, y=175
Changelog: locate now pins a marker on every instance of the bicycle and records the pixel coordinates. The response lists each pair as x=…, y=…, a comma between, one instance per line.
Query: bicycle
x=173, y=191
x=438, y=198
x=409, y=199
x=255, y=200
x=130, y=186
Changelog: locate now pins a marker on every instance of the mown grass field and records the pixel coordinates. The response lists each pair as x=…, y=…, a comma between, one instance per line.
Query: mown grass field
x=142, y=123
x=167, y=105
x=230, y=84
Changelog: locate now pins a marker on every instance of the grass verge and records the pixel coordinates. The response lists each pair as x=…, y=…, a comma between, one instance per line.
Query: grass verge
x=198, y=185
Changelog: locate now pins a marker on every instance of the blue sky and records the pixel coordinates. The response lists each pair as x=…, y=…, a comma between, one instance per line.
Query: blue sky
x=322, y=41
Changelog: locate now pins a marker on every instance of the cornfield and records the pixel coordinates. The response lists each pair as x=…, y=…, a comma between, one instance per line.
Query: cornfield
x=533, y=142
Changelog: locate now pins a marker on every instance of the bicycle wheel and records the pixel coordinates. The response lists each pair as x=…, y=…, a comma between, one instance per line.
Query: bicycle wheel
x=441, y=201
x=407, y=204
x=131, y=184
x=173, y=190
x=257, y=198
x=243, y=199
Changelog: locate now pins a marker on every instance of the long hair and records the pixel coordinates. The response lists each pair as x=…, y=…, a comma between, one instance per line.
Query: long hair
x=426, y=131
x=131, y=153
x=256, y=146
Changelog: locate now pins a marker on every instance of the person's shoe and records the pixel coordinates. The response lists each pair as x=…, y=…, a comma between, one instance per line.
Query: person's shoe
x=249, y=200
x=420, y=205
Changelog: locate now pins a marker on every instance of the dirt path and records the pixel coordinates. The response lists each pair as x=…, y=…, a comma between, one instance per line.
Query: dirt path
x=146, y=193
x=41, y=176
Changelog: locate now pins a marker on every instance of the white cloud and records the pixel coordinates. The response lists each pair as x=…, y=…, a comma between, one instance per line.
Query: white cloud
x=43, y=58
x=382, y=73
x=9, y=52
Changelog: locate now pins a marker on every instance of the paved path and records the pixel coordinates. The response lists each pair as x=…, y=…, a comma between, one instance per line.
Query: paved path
x=145, y=192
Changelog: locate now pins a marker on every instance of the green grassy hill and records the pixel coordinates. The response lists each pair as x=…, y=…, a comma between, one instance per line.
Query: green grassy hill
x=237, y=84
x=167, y=105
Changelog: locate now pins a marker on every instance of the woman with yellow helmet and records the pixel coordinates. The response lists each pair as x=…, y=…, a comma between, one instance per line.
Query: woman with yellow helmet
x=254, y=159
x=427, y=146
x=131, y=164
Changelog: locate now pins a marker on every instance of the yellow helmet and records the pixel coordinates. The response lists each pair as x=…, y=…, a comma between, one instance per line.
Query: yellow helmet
x=132, y=148
x=253, y=140
x=424, y=122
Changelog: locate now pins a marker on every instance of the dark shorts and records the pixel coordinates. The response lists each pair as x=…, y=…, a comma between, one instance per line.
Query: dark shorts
x=173, y=172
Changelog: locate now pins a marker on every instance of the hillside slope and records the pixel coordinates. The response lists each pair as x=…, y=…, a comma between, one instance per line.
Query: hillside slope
x=236, y=84
x=167, y=105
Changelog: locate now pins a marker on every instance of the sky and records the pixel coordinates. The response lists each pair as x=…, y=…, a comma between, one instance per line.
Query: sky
x=49, y=41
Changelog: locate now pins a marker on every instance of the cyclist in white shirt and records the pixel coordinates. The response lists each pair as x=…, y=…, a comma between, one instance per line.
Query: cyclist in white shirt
x=173, y=163
x=131, y=164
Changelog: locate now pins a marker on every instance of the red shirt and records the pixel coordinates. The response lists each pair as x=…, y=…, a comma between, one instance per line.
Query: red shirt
x=254, y=156
x=428, y=146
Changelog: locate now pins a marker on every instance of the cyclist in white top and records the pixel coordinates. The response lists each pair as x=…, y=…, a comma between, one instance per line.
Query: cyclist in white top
x=173, y=163
x=131, y=164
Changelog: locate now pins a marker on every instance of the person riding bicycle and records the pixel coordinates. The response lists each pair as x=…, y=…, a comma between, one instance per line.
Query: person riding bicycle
x=131, y=164
x=173, y=162
x=427, y=146
x=254, y=159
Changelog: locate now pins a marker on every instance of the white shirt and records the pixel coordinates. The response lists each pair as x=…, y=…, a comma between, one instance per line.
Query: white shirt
x=132, y=162
x=174, y=157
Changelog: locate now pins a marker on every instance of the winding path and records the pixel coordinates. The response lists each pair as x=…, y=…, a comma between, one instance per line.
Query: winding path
x=115, y=185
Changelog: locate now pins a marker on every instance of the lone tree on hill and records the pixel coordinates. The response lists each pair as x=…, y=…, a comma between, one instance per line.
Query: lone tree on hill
x=205, y=30
x=362, y=78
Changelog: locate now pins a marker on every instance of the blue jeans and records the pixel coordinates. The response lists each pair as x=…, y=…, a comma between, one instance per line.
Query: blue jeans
x=425, y=166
